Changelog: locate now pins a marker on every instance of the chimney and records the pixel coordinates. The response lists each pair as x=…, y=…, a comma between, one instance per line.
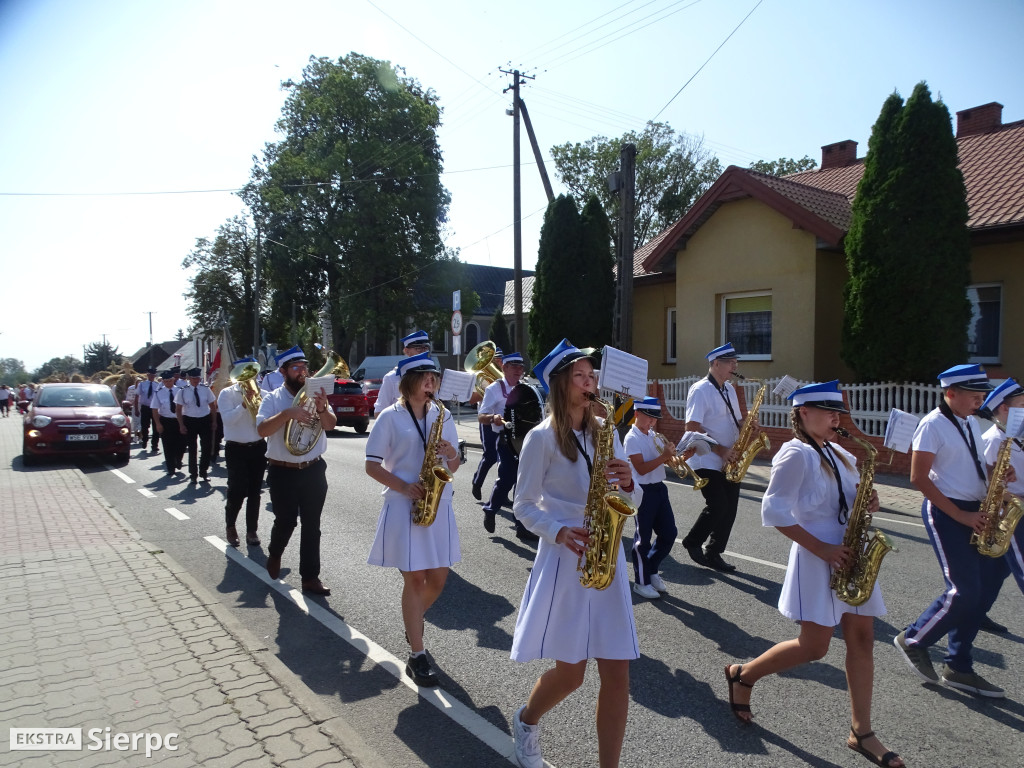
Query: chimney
x=981, y=119
x=839, y=154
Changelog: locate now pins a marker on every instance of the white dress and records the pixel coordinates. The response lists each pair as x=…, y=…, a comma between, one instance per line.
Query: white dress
x=396, y=442
x=802, y=491
x=559, y=618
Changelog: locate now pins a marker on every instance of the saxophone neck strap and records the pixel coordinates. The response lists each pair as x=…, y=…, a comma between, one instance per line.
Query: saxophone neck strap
x=586, y=458
x=723, y=393
x=422, y=430
x=826, y=455
x=968, y=438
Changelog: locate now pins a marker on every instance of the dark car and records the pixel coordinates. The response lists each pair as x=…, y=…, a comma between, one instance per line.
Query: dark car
x=69, y=419
x=350, y=405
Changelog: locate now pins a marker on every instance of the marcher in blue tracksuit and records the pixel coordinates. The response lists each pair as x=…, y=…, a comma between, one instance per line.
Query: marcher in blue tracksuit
x=948, y=467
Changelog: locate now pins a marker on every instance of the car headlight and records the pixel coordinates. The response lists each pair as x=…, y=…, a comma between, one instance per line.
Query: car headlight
x=41, y=421
x=119, y=420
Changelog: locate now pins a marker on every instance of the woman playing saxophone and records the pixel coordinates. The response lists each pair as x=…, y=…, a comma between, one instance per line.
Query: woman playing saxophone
x=559, y=618
x=395, y=456
x=813, y=482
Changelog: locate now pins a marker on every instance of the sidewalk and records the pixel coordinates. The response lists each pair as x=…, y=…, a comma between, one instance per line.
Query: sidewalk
x=101, y=633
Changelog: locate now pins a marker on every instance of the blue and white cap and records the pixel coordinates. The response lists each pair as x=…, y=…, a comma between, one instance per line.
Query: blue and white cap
x=512, y=357
x=241, y=360
x=827, y=396
x=650, y=406
x=498, y=352
x=725, y=351
x=558, y=359
x=1007, y=389
x=415, y=338
x=969, y=377
x=295, y=353
x=422, y=362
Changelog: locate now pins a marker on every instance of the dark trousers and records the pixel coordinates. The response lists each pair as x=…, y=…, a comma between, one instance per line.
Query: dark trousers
x=653, y=518
x=173, y=443
x=5, y=406
x=489, y=440
x=714, y=524
x=246, y=463
x=199, y=430
x=145, y=418
x=508, y=466
x=298, y=495
x=972, y=584
x=218, y=433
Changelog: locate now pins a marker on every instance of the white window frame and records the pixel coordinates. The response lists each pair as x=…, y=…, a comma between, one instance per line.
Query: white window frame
x=723, y=324
x=670, y=332
x=999, y=341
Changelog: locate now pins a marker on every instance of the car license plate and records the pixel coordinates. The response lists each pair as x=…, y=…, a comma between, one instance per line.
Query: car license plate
x=75, y=438
x=346, y=409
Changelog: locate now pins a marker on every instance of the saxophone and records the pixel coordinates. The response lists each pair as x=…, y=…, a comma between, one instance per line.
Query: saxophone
x=606, y=512
x=746, y=447
x=433, y=475
x=855, y=583
x=300, y=438
x=1003, y=516
x=678, y=464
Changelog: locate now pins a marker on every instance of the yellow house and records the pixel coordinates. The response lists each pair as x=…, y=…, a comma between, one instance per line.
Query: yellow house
x=758, y=260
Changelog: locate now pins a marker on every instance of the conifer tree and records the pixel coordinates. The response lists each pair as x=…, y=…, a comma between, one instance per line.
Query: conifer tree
x=553, y=312
x=499, y=331
x=598, y=279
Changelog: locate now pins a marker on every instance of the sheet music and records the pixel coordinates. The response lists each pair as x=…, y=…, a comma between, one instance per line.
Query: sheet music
x=623, y=373
x=313, y=385
x=1015, y=422
x=456, y=385
x=899, y=432
x=700, y=443
x=786, y=386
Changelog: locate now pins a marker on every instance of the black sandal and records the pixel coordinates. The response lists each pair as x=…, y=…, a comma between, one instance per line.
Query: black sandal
x=885, y=760
x=738, y=708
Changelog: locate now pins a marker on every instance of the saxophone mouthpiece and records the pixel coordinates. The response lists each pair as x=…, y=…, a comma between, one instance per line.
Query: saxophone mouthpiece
x=840, y=431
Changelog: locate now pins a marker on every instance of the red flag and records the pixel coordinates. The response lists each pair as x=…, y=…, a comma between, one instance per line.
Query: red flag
x=214, y=366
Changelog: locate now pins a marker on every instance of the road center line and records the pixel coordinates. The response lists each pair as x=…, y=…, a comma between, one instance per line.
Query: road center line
x=489, y=734
x=146, y=492
x=176, y=514
x=120, y=474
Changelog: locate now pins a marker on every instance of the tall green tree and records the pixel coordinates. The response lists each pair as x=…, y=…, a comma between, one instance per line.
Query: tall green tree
x=672, y=171
x=66, y=365
x=99, y=356
x=224, y=281
x=597, y=281
x=784, y=165
x=499, y=331
x=908, y=250
x=12, y=372
x=351, y=196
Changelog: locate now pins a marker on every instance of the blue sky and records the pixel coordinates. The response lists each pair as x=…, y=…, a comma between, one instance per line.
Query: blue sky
x=127, y=124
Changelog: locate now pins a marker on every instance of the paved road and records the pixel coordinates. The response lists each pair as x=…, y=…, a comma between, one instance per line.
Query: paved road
x=679, y=713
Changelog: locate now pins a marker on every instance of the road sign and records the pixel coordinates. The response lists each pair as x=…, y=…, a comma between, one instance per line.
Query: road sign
x=456, y=323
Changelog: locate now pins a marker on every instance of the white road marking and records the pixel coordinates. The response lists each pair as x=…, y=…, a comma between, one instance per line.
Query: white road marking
x=176, y=514
x=120, y=474
x=897, y=520
x=146, y=492
x=490, y=735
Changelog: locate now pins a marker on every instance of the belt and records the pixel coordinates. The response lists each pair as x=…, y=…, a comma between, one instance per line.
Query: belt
x=245, y=445
x=292, y=464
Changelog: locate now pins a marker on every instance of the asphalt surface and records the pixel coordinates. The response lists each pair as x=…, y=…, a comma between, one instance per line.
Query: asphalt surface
x=679, y=713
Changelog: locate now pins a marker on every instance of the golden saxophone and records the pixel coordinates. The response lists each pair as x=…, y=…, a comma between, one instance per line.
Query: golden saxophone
x=244, y=375
x=1003, y=515
x=606, y=512
x=433, y=475
x=746, y=446
x=300, y=438
x=855, y=583
x=678, y=464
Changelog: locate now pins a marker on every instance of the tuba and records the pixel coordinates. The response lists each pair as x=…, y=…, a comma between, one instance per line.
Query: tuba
x=855, y=583
x=678, y=464
x=433, y=475
x=746, y=446
x=1003, y=515
x=244, y=375
x=300, y=438
x=606, y=512
x=480, y=360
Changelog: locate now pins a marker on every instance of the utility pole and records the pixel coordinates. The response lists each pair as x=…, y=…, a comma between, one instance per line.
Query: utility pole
x=150, y=326
x=623, y=181
x=256, y=300
x=536, y=152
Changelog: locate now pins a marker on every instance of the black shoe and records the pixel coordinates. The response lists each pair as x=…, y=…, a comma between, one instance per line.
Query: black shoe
x=987, y=625
x=526, y=535
x=715, y=561
x=205, y=476
x=489, y=521
x=697, y=555
x=192, y=480
x=419, y=669
x=476, y=492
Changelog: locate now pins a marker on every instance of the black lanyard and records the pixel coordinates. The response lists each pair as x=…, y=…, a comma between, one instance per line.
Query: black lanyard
x=422, y=430
x=721, y=391
x=586, y=458
x=844, y=507
x=971, y=445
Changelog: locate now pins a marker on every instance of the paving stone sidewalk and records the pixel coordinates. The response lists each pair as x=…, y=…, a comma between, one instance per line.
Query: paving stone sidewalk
x=98, y=631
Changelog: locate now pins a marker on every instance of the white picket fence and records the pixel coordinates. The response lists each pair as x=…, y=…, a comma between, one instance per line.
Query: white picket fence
x=870, y=404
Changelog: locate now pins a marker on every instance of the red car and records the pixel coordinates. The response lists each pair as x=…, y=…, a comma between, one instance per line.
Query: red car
x=70, y=419
x=350, y=405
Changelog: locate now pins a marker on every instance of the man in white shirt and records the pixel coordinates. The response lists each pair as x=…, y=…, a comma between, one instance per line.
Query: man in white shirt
x=416, y=343
x=195, y=403
x=165, y=423
x=245, y=454
x=147, y=389
x=298, y=484
x=5, y=400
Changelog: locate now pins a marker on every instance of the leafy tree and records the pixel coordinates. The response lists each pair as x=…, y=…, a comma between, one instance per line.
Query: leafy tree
x=351, y=196
x=908, y=249
x=572, y=286
x=180, y=335
x=499, y=331
x=784, y=166
x=100, y=356
x=12, y=372
x=225, y=281
x=671, y=173
x=66, y=365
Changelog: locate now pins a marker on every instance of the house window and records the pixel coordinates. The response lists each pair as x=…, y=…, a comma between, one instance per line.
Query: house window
x=471, y=336
x=670, y=335
x=983, y=329
x=747, y=323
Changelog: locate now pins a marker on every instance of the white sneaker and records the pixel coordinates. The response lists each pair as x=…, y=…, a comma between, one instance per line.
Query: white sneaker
x=527, y=742
x=658, y=583
x=646, y=590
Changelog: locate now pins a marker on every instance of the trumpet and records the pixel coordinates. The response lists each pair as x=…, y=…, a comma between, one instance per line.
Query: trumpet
x=678, y=463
